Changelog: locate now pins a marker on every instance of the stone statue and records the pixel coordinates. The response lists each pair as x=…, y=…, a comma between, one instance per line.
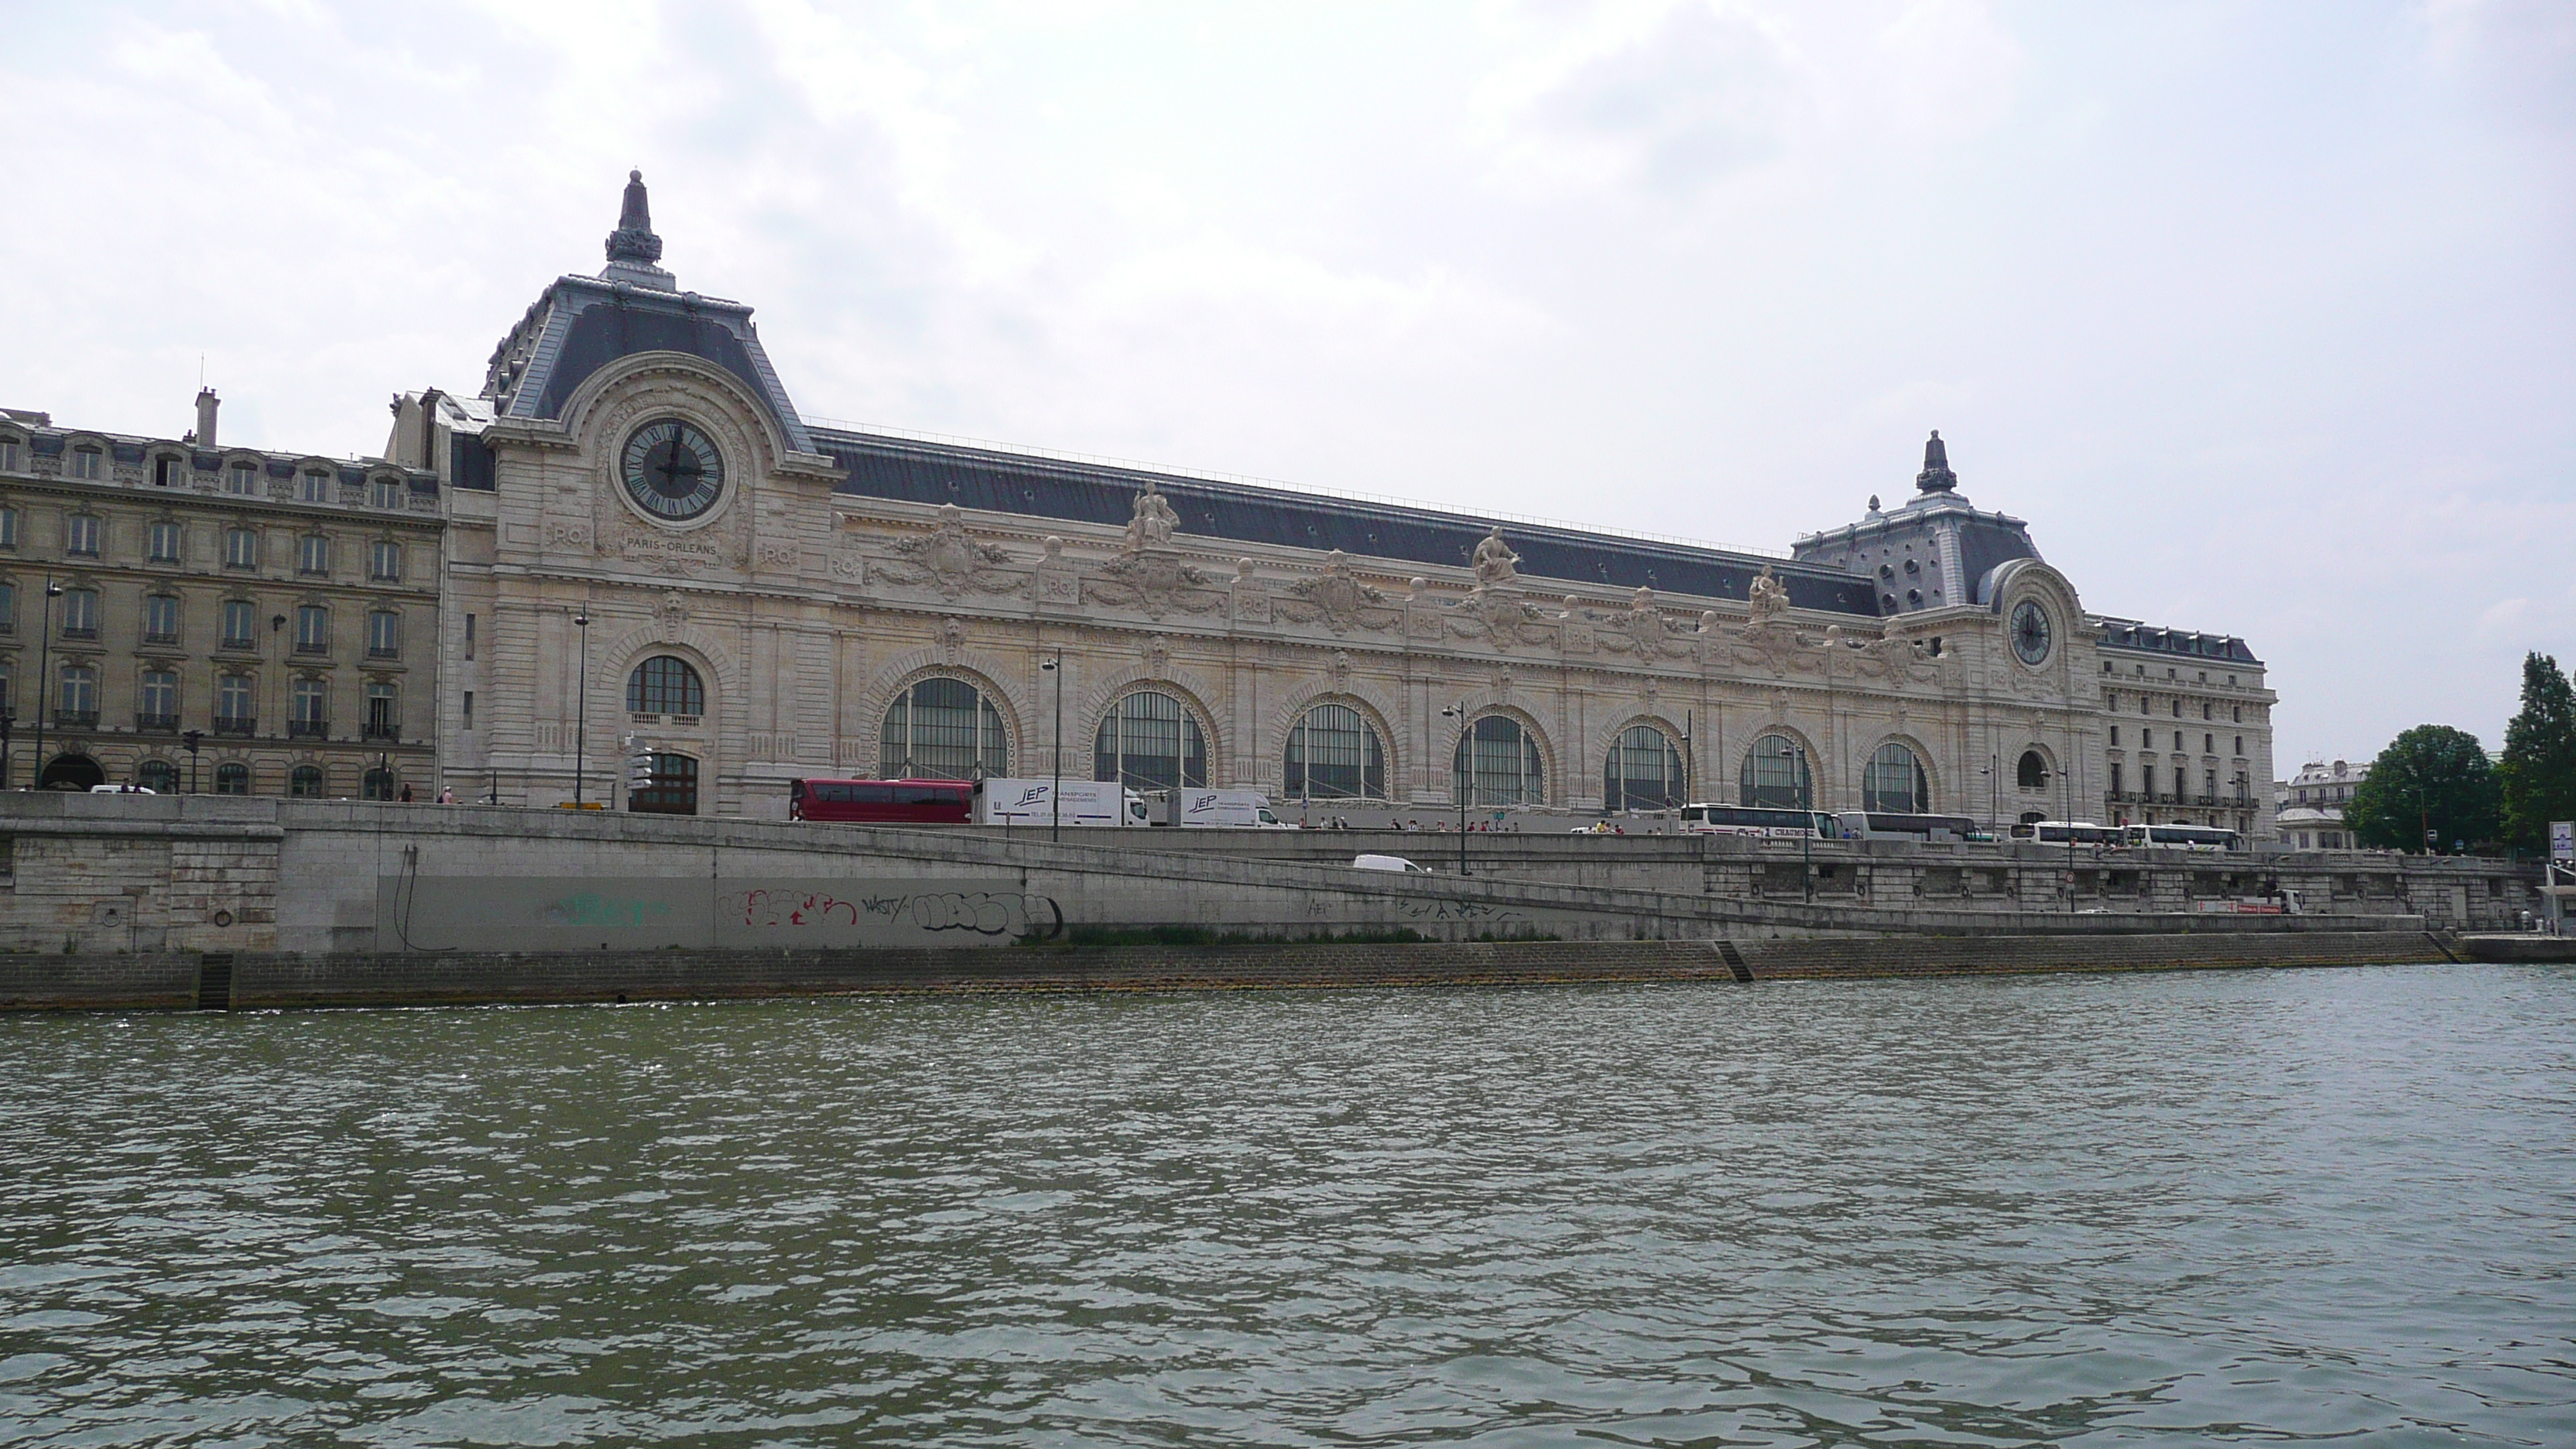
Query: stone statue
x=1494, y=560
x=1154, y=522
x=1768, y=598
x=1936, y=476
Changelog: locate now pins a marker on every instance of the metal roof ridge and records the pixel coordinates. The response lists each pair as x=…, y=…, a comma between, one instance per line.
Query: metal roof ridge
x=845, y=428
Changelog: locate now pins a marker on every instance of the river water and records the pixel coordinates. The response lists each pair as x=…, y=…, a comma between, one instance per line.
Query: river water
x=2250, y=1207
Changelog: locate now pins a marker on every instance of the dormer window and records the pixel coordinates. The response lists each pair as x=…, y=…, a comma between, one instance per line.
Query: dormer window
x=169, y=470
x=85, y=462
x=316, y=487
x=241, y=478
x=9, y=453
x=386, y=493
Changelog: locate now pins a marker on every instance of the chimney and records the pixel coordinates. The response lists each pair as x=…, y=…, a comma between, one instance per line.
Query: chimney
x=207, y=402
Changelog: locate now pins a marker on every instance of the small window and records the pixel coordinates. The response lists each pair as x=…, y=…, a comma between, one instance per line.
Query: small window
x=384, y=561
x=313, y=555
x=232, y=777
x=2115, y=737
x=241, y=548
x=469, y=709
x=2177, y=709
x=239, y=619
x=158, y=776
x=304, y=782
x=80, y=535
x=85, y=462
x=8, y=528
x=160, y=702
x=8, y=455
x=232, y=703
x=316, y=487
x=384, y=634
x=165, y=542
x=2205, y=711
x=160, y=619
x=80, y=613
x=2240, y=714
x=2240, y=744
x=386, y=493
x=168, y=472
x=243, y=478
x=469, y=636
x=312, y=629
x=378, y=785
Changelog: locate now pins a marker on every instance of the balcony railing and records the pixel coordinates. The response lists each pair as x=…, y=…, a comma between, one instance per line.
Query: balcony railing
x=386, y=730
x=156, y=724
x=236, y=724
x=160, y=636
x=384, y=651
x=71, y=632
x=76, y=719
x=320, y=648
x=308, y=729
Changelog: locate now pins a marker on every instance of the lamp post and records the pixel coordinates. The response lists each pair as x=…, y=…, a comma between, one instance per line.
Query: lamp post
x=581, y=709
x=1055, y=787
x=6, y=720
x=1995, y=795
x=1807, y=808
x=192, y=739
x=1466, y=776
x=44, y=681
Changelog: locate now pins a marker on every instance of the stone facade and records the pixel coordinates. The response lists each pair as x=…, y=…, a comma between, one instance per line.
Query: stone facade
x=282, y=607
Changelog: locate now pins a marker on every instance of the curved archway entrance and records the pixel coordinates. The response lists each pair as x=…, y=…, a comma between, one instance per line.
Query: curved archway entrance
x=72, y=772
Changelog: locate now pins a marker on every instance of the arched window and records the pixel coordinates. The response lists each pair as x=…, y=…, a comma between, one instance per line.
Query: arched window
x=943, y=729
x=664, y=685
x=158, y=776
x=378, y=785
x=1643, y=772
x=1895, y=782
x=2033, y=771
x=305, y=782
x=232, y=778
x=1776, y=775
x=1149, y=741
x=1335, y=754
x=1497, y=763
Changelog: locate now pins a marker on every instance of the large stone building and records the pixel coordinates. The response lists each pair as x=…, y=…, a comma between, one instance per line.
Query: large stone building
x=646, y=542
x=175, y=612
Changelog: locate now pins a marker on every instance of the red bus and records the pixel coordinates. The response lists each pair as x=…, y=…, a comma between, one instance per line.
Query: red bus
x=881, y=802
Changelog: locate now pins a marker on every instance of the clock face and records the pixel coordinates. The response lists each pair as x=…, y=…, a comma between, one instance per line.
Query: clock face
x=672, y=470
x=2030, y=632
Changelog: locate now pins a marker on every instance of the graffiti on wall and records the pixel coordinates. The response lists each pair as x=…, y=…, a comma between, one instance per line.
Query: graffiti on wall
x=982, y=913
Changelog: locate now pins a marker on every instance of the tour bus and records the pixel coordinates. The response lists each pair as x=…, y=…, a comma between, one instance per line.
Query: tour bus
x=2184, y=837
x=1922, y=829
x=2061, y=832
x=1753, y=820
x=881, y=802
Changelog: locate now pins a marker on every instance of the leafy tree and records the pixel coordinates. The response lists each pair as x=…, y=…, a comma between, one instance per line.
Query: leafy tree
x=2538, y=773
x=2432, y=776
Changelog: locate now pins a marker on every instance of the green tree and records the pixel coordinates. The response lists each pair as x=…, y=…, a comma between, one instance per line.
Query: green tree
x=2538, y=772
x=2431, y=777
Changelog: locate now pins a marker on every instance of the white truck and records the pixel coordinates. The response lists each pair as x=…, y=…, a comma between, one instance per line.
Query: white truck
x=1241, y=809
x=1025, y=803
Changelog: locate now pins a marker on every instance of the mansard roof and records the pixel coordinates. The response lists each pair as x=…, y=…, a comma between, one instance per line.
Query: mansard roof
x=916, y=471
x=2131, y=635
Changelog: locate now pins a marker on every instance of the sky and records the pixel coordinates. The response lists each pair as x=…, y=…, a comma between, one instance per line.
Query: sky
x=2262, y=315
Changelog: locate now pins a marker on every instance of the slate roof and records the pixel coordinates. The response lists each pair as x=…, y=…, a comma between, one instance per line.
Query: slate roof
x=915, y=471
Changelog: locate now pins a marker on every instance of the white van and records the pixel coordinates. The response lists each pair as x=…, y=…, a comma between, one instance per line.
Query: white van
x=1026, y=803
x=1241, y=809
x=1386, y=862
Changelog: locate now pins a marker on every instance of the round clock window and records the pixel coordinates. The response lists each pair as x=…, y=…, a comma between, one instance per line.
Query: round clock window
x=672, y=470
x=2030, y=632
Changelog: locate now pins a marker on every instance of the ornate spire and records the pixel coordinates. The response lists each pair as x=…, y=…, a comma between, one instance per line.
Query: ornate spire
x=1936, y=476
x=633, y=249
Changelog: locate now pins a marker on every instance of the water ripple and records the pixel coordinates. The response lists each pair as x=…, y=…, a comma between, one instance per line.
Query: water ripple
x=2285, y=1206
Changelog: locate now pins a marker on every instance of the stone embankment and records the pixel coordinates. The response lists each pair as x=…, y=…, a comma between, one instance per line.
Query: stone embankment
x=127, y=900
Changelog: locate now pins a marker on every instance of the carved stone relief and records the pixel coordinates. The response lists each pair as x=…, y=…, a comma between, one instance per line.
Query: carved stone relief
x=951, y=560
x=1337, y=599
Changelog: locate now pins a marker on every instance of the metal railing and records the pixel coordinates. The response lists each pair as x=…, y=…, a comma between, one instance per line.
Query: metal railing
x=156, y=724
x=236, y=724
x=308, y=729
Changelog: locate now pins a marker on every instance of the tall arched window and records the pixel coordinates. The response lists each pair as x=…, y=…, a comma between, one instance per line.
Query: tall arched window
x=1643, y=772
x=1335, y=754
x=2033, y=772
x=304, y=782
x=1497, y=764
x=1776, y=775
x=232, y=778
x=378, y=784
x=158, y=776
x=1895, y=782
x=1149, y=741
x=665, y=685
x=943, y=729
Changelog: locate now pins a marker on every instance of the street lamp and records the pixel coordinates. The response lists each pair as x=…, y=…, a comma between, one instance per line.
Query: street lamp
x=1807, y=810
x=1055, y=787
x=44, y=680
x=1466, y=776
x=192, y=739
x=581, y=695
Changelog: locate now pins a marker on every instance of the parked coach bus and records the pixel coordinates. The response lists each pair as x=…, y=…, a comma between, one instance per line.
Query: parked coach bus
x=1922, y=829
x=1752, y=820
x=2183, y=837
x=2060, y=832
x=881, y=802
